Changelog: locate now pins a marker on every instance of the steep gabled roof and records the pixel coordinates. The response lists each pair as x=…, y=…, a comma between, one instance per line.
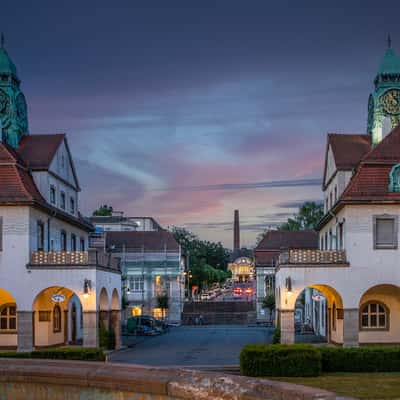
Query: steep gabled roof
x=371, y=180
x=148, y=240
x=274, y=241
x=38, y=151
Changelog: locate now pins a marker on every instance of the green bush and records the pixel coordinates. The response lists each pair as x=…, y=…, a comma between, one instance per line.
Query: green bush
x=276, y=339
x=280, y=360
x=361, y=359
x=83, y=354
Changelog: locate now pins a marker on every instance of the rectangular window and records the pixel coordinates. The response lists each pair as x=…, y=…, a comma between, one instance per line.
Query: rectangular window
x=72, y=205
x=52, y=194
x=82, y=244
x=385, y=232
x=73, y=242
x=63, y=241
x=136, y=284
x=40, y=236
x=44, y=316
x=62, y=200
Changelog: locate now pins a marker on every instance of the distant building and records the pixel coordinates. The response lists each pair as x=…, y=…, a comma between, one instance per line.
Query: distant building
x=266, y=256
x=153, y=266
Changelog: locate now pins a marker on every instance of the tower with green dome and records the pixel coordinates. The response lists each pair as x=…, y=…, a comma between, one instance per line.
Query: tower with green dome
x=13, y=109
x=384, y=101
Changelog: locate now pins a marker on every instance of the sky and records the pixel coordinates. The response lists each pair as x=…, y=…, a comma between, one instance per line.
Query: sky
x=187, y=110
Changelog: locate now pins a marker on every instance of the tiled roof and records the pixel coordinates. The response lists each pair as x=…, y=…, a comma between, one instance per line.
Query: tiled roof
x=150, y=240
x=348, y=149
x=371, y=181
x=38, y=151
x=265, y=257
x=276, y=240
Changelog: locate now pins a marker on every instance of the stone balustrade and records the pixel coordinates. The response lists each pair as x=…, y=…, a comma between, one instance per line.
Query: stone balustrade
x=28, y=379
x=313, y=257
x=74, y=258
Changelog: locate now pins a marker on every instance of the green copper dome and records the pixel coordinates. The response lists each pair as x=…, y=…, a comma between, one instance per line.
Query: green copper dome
x=390, y=63
x=6, y=65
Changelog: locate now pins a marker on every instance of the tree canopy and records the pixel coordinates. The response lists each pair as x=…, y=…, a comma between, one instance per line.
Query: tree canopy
x=208, y=261
x=103, y=211
x=307, y=217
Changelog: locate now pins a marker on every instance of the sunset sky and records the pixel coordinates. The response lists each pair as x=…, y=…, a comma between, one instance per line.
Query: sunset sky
x=186, y=110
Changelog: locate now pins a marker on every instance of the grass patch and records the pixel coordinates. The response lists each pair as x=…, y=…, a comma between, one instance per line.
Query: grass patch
x=364, y=386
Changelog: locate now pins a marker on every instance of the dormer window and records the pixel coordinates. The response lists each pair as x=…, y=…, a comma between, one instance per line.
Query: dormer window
x=52, y=194
x=62, y=200
x=394, y=185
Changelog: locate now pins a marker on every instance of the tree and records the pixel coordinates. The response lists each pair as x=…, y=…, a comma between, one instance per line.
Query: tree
x=103, y=211
x=307, y=217
x=208, y=261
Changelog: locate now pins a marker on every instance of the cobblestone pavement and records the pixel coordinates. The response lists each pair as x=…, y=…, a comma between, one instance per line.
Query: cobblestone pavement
x=193, y=346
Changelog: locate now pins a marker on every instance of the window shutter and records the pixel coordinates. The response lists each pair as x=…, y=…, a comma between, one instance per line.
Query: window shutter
x=385, y=232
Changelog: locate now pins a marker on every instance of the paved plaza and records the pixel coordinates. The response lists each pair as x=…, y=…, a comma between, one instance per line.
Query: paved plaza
x=193, y=346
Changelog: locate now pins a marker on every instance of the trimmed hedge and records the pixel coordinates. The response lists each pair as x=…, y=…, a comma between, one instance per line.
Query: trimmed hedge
x=276, y=339
x=280, y=360
x=361, y=359
x=82, y=354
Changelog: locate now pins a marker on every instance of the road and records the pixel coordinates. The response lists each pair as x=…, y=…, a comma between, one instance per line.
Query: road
x=194, y=346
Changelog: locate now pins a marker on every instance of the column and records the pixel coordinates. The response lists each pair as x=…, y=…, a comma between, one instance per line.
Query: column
x=116, y=326
x=90, y=329
x=105, y=318
x=287, y=326
x=350, y=327
x=25, y=330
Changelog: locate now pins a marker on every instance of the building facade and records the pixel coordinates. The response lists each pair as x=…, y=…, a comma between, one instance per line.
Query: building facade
x=52, y=289
x=153, y=269
x=357, y=265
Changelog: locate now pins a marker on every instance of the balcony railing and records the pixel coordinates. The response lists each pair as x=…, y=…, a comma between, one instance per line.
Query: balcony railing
x=75, y=258
x=312, y=257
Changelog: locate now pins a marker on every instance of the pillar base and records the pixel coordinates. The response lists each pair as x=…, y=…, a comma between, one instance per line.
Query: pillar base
x=25, y=331
x=116, y=325
x=90, y=329
x=287, y=326
x=350, y=327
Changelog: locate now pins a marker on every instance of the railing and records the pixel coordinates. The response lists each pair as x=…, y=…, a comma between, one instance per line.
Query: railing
x=314, y=257
x=75, y=258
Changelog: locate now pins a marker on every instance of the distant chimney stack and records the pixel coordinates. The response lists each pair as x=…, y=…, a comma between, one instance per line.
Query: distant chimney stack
x=236, y=231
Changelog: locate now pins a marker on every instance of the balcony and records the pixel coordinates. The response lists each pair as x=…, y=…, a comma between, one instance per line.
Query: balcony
x=57, y=259
x=312, y=258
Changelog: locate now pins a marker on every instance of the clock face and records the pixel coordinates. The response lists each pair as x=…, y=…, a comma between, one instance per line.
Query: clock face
x=391, y=101
x=3, y=102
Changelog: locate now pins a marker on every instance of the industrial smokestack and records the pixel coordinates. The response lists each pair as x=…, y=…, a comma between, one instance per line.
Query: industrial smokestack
x=236, y=231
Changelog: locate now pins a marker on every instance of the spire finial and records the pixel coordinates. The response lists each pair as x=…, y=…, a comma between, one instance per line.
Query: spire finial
x=389, y=41
x=2, y=40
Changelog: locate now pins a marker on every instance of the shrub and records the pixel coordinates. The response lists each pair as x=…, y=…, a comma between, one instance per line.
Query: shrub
x=280, y=360
x=276, y=339
x=83, y=354
x=361, y=359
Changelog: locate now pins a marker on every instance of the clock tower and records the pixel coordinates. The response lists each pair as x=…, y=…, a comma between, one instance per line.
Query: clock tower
x=384, y=101
x=13, y=109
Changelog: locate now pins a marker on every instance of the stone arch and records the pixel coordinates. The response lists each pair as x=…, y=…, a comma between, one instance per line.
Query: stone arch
x=322, y=312
x=104, y=308
x=51, y=316
x=379, y=314
x=115, y=300
x=8, y=320
x=116, y=317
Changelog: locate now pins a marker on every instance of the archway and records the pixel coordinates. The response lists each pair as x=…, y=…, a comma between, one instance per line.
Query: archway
x=116, y=317
x=104, y=308
x=319, y=315
x=379, y=315
x=8, y=320
x=52, y=317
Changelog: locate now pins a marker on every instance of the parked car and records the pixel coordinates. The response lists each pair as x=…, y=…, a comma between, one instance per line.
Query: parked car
x=146, y=325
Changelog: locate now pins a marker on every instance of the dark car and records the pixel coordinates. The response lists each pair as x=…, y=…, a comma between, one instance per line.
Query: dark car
x=146, y=325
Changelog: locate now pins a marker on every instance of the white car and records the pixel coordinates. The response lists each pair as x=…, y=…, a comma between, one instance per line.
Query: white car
x=205, y=296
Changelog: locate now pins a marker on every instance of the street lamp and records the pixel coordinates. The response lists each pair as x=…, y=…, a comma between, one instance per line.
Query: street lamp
x=87, y=286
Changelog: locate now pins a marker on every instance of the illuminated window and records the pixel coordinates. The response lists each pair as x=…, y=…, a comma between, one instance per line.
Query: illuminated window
x=44, y=316
x=158, y=313
x=136, y=312
x=374, y=316
x=8, y=318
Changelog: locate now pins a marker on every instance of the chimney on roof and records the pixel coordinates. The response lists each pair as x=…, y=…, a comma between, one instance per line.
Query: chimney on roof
x=236, y=231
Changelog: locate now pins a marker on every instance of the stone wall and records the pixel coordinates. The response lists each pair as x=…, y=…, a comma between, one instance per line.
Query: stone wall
x=57, y=380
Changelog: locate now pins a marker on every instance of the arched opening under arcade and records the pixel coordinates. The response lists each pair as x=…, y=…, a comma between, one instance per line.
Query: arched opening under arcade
x=318, y=315
x=8, y=320
x=57, y=317
x=379, y=315
x=104, y=309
